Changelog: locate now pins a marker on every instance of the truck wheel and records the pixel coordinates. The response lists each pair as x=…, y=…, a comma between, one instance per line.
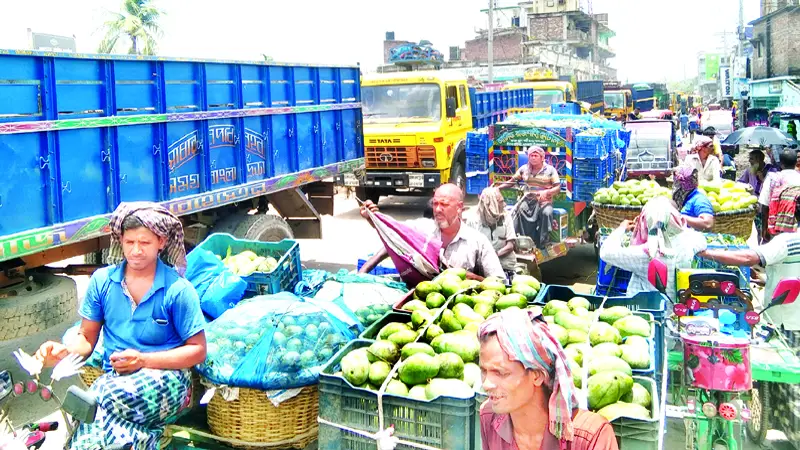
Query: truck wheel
x=759, y=422
x=99, y=258
x=458, y=176
x=42, y=302
x=258, y=227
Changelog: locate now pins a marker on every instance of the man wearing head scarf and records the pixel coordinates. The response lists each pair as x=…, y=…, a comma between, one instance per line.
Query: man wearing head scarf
x=694, y=205
x=492, y=220
x=658, y=232
x=528, y=379
x=774, y=184
x=703, y=158
x=152, y=329
x=533, y=216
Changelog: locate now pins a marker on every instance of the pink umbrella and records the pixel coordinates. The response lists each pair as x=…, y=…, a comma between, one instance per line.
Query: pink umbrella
x=415, y=254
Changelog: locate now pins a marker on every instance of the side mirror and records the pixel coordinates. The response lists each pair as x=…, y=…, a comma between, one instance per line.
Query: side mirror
x=6, y=385
x=786, y=292
x=450, y=108
x=81, y=405
x=657, y=275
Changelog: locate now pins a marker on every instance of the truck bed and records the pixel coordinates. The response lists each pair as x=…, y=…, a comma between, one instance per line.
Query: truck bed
x=82, y=133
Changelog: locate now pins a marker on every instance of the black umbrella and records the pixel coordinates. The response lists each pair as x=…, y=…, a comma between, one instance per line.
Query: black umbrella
x=758, y=136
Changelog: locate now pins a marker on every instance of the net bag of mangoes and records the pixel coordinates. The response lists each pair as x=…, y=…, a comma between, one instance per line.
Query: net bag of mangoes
x=278, y=341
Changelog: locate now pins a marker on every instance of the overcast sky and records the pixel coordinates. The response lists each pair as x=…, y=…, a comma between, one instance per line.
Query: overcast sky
x=656, y=40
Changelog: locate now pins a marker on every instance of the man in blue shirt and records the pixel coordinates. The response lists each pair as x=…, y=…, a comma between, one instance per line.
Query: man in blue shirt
x=152, y=329
x=695, y=207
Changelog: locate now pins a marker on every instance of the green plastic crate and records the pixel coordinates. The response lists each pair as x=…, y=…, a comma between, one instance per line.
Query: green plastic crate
x=392, y=316
x=638, y=434
x=287, y=252
x=445, y=423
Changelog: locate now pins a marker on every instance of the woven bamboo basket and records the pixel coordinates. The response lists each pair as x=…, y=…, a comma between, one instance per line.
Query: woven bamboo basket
x=737, y=223
x=610, y=216
x=253, y=418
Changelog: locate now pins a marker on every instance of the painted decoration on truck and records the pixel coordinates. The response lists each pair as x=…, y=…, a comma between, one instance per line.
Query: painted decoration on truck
x=529, y=136
x=30, y=242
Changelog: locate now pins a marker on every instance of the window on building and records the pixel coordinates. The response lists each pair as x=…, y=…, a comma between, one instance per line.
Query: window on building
x=463, y=91
x=452, y=92
x=551, y=3
x=758, y=48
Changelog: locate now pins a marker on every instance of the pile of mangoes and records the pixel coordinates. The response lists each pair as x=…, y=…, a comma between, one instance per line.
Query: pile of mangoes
x=438, y=348
x=609, y=348
x=631, y=193
x=247, y=262
x=727, y=195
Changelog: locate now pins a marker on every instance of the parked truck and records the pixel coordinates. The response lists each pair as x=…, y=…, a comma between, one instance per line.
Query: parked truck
x=548, y=88
x=215, y=142
x=415, y=130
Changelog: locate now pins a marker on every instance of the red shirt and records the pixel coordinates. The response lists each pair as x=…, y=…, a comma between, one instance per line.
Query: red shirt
x=497, y=433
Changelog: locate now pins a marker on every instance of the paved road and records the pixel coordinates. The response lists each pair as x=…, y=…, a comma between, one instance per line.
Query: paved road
x=347, y=237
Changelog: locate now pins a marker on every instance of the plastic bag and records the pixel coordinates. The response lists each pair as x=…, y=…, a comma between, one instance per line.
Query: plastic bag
x=368, y=296
x=218, y=288
x=312, y=281
x=276, y=341
x=96, y=358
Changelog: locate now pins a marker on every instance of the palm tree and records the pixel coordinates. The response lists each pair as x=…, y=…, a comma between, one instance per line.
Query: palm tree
x=139, y=22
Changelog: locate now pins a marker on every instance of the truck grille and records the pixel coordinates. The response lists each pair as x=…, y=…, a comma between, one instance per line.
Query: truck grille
x=391, y=157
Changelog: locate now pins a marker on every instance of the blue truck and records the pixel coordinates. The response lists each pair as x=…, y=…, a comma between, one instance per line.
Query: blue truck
x=593, y=93
x=644, y=98
x=215, y=142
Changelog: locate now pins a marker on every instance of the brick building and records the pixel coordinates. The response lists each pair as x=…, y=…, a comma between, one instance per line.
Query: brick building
x=775, y=63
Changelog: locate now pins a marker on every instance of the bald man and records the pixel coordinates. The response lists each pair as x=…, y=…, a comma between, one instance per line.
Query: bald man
x=463, y=246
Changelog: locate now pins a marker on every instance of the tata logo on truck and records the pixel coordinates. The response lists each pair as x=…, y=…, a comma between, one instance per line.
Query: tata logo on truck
x=384, y=141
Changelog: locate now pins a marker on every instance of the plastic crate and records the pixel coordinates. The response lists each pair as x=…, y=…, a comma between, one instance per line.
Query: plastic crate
x=392, y=316
x=743, y=272
x=477, y=183
x=287, y=252
x=639, y=434
x=652, y=302
x=446, y=423
x=379, y=270
x=565, y=108
x=477, y=164
x=589, y=146
x=602, y=290
x=591, y=168
x=583, y=189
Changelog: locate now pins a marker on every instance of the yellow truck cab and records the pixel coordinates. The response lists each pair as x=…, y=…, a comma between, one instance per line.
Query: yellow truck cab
x=415, y=129
x=618, y=101
x=547, y=88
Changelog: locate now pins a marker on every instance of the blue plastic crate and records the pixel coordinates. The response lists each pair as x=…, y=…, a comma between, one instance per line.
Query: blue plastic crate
x=613, y=277
x=477, y=164
x=565, y=108
x=652, y=302
x=478, y=143
x=477, y=183
x=583, y=189
x=601, y=290
x=743, y=272
x=287, y=252
x=379, y=270
x=591, y=168
x=589, y=146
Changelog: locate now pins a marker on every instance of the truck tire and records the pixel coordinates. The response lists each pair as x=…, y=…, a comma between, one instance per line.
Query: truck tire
x=257, y=227
x=458, y=176
x=40, y=303
x=99, y=258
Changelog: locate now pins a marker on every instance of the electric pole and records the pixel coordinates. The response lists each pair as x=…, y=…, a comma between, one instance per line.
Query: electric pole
x=490, y=52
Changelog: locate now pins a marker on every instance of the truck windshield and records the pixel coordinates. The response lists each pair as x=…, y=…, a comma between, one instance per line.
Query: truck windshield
x=402, y=101
x=615, y=100
x=543, y=99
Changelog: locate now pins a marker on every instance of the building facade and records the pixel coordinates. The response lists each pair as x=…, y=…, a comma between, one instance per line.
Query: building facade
x=775, y=63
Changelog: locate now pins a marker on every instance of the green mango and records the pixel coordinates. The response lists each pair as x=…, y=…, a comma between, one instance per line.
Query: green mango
x=449, y=322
